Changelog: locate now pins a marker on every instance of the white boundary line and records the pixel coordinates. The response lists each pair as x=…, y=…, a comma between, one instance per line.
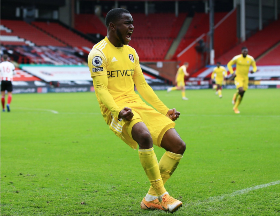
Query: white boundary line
x=213, y=115
x=233, y=115
x=210, y=115
x=239, y=192
x=53, y=111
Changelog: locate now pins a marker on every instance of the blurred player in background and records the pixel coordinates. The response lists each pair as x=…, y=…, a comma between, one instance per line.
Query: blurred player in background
x=219, y=73
x=115, y=69
x=180, y=80
x=7, y=70
x=241, y=78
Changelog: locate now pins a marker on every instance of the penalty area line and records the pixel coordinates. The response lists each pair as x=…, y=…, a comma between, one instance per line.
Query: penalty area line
x=236, y=193
x=47, y=110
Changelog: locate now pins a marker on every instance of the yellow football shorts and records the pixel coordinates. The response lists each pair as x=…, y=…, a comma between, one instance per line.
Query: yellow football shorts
x=241, y=82
x=180, y=83
x=219, y=81
x=157, y=123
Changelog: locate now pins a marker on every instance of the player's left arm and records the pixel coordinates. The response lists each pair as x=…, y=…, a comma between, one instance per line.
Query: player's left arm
x=254, y=66
x=147, y=92
x=149, y=95
x=224, y=73
x=14, y=71
x=185, y=71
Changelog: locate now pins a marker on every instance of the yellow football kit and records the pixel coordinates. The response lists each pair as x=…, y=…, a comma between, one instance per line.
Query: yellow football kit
x=219, y=73
x=180, y=78
x=115, y=71
x=242, y=69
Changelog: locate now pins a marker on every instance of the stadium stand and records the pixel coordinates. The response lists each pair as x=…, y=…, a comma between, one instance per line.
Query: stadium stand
x=28, y=32
x=198, y=26
x=63, y=34
x=152, y=37
x=271, y=58
x=89, y=24
x=45, y=55
x=256, y=44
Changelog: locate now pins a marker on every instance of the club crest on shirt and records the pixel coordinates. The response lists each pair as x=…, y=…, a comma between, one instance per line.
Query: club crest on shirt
x=131, y=58
x=97, y=61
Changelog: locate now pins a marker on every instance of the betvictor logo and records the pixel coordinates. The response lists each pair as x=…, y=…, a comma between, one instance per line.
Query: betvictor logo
x=120, y=73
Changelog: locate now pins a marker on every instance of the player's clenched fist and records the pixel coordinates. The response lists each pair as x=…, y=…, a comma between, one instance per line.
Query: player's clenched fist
x=173, y=114
x=126, y=114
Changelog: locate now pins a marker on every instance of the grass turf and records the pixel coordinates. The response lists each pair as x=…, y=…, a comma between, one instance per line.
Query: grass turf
x=58, y=157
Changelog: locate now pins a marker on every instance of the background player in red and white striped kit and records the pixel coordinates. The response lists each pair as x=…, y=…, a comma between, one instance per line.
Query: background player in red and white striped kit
x=7, y=70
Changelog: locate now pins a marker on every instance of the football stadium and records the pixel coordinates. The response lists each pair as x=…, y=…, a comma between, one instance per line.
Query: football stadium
x=103, y=101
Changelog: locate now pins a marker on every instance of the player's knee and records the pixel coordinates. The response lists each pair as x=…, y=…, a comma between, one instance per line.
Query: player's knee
x=182, y=147
x=241, y=93
x=145, y=140
x=179, y=147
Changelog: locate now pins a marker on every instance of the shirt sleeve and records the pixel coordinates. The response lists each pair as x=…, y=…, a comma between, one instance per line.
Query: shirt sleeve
x=254, y=65
x=229, y=65
x=146, y=91
x=97, y=64
x=100, y=85
x=13, y=69
x=213, y=74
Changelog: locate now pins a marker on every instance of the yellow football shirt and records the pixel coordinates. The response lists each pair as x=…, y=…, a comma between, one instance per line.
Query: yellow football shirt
x=115, y=71
x=219, y=73
x=181, y=73
x=242, y=65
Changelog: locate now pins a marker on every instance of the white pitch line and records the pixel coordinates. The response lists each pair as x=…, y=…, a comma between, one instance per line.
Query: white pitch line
x=233, y=115
x=239, y=192
x=213, y=115
x=53, y=111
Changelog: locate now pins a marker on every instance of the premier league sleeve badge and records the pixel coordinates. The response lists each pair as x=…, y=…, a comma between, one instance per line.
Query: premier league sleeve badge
x=97, y=61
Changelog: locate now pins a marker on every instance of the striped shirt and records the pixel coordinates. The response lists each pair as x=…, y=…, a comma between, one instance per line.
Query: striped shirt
x=7, y=71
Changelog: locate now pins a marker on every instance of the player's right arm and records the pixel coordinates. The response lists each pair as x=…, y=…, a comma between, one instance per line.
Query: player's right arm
x=213, y=74
x=97, y=64
x=177, y=74
x=229, y=65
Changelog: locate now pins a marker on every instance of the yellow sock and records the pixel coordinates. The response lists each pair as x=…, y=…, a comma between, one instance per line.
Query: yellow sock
x=149, y=162
x=183, y=94
x=173, y=88
x=167, y=165
x=238, y=101
x=219, y=92
x=235, y=96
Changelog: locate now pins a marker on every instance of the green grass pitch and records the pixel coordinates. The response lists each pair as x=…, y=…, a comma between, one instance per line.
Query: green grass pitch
x=58, y=157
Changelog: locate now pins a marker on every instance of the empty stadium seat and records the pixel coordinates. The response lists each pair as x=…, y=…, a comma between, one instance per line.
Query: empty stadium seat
x=256, y=44
x=63, y=34
x=89, y=24
x=30, y=33
x=198, y=26
x=271, y=58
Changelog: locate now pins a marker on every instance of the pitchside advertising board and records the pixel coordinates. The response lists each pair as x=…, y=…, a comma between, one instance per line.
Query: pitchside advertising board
x=48, y=78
